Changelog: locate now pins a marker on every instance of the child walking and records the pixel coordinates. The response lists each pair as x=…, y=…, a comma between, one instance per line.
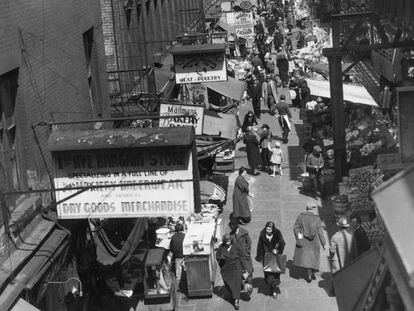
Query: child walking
x=276, y=158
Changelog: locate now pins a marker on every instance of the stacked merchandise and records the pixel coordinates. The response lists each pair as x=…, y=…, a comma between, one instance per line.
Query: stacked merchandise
x=361, y=183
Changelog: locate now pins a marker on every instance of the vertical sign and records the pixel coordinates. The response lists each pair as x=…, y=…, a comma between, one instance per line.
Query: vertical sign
x=198, y=94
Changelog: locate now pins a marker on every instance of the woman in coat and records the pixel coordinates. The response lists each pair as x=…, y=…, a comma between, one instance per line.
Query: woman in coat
x=229, y=258
x=249, y=120
x=309, y=237
x=252, y=149
x=241, y=211
x=270, y=241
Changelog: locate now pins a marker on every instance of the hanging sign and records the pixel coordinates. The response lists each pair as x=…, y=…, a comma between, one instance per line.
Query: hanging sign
x=197, y=93
x=150, y=183
x=195, y=116
x=243, y=22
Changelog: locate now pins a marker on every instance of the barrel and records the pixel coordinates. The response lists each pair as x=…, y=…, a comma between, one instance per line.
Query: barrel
x=162, y=233
x=340, y=203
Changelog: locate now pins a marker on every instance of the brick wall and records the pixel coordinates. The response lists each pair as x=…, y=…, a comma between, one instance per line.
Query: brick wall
x=44, y=39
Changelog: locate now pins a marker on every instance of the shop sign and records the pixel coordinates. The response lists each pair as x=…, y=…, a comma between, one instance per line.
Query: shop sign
x=242, y=21
x=198, y=68
x=150, y=183
x=197, y=93
x=195, y=116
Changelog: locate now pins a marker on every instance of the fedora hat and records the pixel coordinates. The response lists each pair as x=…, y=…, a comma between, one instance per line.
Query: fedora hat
x=343, y=223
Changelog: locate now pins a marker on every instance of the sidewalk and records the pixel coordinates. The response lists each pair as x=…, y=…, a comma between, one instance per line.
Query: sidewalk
x=275, y=199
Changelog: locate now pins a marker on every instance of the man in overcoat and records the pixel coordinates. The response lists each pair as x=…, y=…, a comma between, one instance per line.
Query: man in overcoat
x=309, y=237
x=252, y=149
x=284, y=117
x=343, y=247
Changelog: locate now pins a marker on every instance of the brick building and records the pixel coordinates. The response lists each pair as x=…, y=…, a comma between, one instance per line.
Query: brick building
x=51, y=61
x=50, y=52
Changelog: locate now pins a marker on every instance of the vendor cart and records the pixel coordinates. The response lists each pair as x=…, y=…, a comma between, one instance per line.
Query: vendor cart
x=159, y=284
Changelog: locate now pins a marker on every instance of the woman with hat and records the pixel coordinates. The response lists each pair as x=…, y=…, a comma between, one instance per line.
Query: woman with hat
x=309, y=237
x=265, y=136
x=314, y=165
x=230, y=257
x=343, y=246
x=249, y=120
x=241, y=211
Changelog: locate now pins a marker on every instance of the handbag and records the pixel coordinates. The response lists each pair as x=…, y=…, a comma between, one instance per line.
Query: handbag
x=281, y=259
x=271, y=263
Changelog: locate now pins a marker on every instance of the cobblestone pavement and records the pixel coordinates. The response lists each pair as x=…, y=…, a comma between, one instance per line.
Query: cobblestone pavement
x=276, y=199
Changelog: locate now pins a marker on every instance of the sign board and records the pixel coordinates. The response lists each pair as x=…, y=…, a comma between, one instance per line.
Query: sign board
x=150, y=183
x=172, y=110
x=197, y=93
x=243, y=22
x=200, y=67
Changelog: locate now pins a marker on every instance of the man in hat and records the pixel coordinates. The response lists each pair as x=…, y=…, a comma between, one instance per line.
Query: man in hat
x=309, y=237
x=361, y=239
x=284, y=117
x=176, y=248
x=343, y=246
x=314, y=165
x=265, y=137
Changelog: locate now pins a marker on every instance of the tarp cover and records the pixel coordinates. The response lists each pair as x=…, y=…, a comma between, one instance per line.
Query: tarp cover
x=23, y=305
x=211, y=191
x=220, y=124
x=323, y=68
x=208, y=146
x=232, y=88
x=352, y=93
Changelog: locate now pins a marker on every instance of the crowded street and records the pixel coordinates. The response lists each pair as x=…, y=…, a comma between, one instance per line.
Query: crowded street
x=162, y=155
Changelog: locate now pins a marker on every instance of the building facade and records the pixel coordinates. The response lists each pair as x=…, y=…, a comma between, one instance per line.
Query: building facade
x=50, y=53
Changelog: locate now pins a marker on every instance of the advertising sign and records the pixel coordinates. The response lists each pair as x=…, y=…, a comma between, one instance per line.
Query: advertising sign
x=200, y=67
x=198, y=94
x=173, y=110
x=242, y=21
x=152, y=183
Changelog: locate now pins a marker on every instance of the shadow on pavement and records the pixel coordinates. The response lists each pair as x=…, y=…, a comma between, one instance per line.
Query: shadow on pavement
x=295, y=272
x=223, y=293
x=326, y=284
x=262, y=287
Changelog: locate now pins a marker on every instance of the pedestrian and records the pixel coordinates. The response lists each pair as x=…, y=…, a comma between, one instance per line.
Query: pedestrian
x=229, y=257
x=249, y=120
x=290, y=20
x=284, y=117
x=282, y=63
x=314, y=165
x=270, y=93
x=265, y=136
x=361, y=238
x=253, y=152
x=277, y=40
x=176, y=248
x=241, y=210
x=305, y=93
x=343, y=246
x=241, y=237
x=300, y=40
x=269, y=64
x=254, y=89
x=270, y=241
x=276, y=158
x=280, y=26
x=309, y=237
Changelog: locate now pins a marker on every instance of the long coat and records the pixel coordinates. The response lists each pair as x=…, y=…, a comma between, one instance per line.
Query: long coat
x=242, y=239
x=307, y=254
x=265, y=246
x=231, y=268
x=252, y=149
x=343, y=249
x=240, y=203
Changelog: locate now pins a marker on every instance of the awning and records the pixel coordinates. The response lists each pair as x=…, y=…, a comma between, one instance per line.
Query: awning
x=211, y=191
x=208, y=146
x=220, y=124
x=197, y=49
x=231, y=88
x=39, y=262
x=164, y=81
x=323, y=68
x=398, y=218
x=352, y=93
x=23, y=305
x=120, y=138
x=230, y=29
x=351, y=281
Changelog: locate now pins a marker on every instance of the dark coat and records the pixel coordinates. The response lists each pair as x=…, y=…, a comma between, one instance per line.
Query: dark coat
x=242, y=239
x=305, y=94
x=266, y=246
x=240, y=203
x=282, y=64
x=231, y=268
x=361, y=240
x=283, y=108
x=307, y=255
x=248, y=121
x=277, y=40
x=252, y=149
